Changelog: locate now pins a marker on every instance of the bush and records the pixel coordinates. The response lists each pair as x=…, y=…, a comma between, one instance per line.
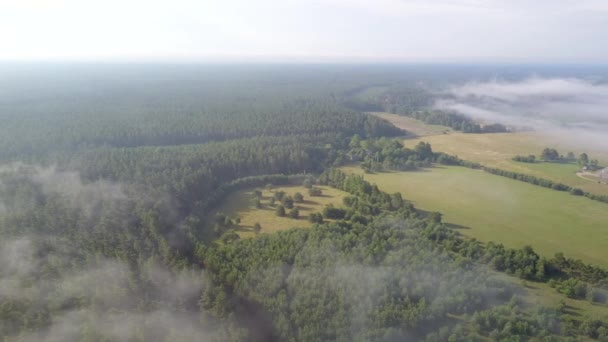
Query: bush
x=577, y=192
x=332, y=212
x=257, y=228
x=279, y=195
x=315, y=218
x=315, y=191
x=294, y=213
x=298, y=197
x=287, y=202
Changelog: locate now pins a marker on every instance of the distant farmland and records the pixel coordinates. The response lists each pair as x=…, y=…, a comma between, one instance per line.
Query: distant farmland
x=493, y=208
x=498, y=149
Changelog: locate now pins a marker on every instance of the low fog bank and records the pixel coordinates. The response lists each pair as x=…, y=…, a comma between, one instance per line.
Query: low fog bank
x=573, y=109
x=73, y=261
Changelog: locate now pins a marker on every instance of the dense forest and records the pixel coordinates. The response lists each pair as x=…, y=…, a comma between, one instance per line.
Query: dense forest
x=109, y=175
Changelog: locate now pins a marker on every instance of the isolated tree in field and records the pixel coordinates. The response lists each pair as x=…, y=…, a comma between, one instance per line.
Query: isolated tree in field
x=257, y=193
x=294, y=213
x=298, y=197
x=570, y=156
x=550, y=154
x=287, y=202
x=315, y=218
x=583, y=159
x=280, y=211
x=279, y=195
x=257, y=228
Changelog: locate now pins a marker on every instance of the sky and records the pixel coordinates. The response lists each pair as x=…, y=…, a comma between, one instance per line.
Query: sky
x=305, y=30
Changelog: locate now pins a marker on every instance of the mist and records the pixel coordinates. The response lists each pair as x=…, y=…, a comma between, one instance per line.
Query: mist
x=570, y=108
x=69, y=286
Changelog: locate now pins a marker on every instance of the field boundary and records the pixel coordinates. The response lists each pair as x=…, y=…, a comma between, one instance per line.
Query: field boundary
x=542, y=182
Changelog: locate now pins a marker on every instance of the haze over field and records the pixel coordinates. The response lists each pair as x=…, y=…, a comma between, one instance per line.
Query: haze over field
x=300, y=30
x=571, y=108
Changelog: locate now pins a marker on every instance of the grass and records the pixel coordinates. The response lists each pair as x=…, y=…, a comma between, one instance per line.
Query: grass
x=494, y=208
x=413, y=126
x=497, y=150
x=541, y=294
x=534, y=294
x=238, y=204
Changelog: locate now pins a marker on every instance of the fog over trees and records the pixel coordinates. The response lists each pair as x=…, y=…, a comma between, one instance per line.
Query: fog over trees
x=110, y=178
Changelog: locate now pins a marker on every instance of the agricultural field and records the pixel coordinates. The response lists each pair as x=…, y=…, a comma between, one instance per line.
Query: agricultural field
x=498, y=149
x=239, y=204
x=412, y=126
x=494, y=208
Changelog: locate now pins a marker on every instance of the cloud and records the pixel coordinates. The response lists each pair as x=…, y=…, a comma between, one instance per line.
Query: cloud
x=572, y=107
x=99, y=297
x=54, y=182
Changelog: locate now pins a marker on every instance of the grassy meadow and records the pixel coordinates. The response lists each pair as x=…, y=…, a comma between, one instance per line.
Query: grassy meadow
x=412, y=126
x=494, y=208
x=239, y=204
x=498, y=149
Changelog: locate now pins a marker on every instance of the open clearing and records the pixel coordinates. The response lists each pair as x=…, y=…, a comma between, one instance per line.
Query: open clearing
x=238, y=204
x=416, y=127
x=494, y=208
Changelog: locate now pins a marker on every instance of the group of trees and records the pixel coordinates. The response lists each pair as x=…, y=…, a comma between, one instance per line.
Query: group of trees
x=389, y=154
x=525, y=159
x=455, y=121
x=551, y=154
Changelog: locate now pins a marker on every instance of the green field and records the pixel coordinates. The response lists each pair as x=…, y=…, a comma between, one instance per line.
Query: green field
x=498, y=149
x=238, y=204
x=494, y=208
